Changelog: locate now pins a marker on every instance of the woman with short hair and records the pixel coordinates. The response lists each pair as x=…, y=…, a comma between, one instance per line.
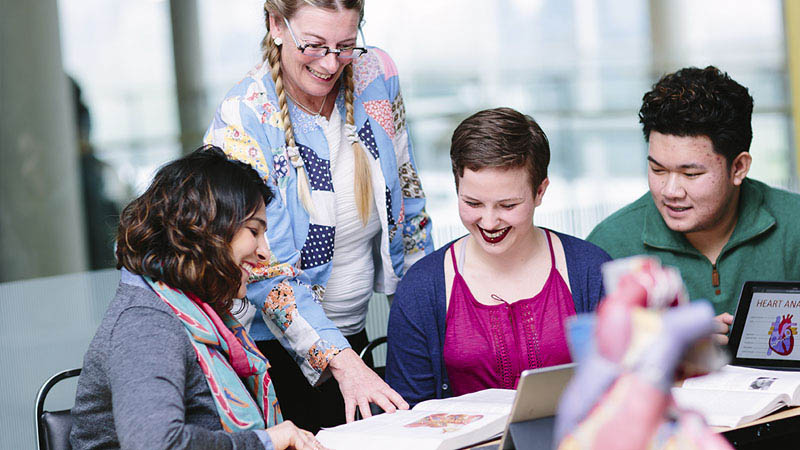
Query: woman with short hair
x=323, y=121
x=483, y=308
x=169, y=366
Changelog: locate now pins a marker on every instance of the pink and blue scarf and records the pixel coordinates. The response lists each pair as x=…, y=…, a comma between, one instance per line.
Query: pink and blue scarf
x=235, y=370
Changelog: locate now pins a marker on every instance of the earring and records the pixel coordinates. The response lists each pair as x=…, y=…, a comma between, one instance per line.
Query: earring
x=278, y=41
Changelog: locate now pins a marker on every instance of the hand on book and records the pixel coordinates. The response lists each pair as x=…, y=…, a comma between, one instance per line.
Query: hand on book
x=286, y=435
x=360, y=385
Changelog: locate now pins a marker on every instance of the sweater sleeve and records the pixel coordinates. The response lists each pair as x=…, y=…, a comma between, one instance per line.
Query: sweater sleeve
x=409, y=366
x=284, y=296
x=417, y=240
x=149, y=354
x=583, y=265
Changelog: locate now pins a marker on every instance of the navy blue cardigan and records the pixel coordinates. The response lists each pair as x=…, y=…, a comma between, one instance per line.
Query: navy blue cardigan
x=414, y=363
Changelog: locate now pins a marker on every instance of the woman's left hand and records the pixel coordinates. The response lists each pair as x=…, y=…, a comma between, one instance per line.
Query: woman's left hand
x=286, y=435
x=360, y=385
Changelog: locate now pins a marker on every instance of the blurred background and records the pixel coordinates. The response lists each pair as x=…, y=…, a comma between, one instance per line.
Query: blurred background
x=96, y=94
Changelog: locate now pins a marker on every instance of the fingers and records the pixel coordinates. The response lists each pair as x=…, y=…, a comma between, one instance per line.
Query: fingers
x=286, y=435
x=307, y=441
x=721, y=339
x=385, y=403
x=725, y=318
x=389, y=400
x=395, y=398
x=363, y=405
x=722, y=323
x=349, y=406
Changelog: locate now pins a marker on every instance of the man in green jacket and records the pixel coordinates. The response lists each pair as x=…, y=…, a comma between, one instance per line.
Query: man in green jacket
x=702, y=214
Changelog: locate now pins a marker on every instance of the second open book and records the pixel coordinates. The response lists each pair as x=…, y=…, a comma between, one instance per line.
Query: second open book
x=434, y=424
x=738, y=395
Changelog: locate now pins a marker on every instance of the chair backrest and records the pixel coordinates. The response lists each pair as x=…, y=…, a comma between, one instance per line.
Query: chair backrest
x=53, y=427
x=366, y=355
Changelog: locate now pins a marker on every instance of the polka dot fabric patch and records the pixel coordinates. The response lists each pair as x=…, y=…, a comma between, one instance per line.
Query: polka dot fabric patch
x=318, y=169
x=389, y=215
x=368, y=139
x=381, y=111
x=318, y=249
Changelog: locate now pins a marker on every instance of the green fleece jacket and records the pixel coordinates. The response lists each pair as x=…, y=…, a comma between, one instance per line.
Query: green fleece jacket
x=765, y=244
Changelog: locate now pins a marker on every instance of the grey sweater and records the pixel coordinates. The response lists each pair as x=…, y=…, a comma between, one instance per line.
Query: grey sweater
x=142, y=354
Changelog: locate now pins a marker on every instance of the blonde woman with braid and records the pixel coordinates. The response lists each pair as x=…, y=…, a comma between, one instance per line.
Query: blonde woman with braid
x=323, y=122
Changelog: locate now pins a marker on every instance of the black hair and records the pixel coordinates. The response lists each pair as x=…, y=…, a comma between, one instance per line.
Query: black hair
x=700, y=102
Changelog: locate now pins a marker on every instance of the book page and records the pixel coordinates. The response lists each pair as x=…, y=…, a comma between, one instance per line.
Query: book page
x=728, y=408
x=420, y=430
x=733, y=378
x=494, y=401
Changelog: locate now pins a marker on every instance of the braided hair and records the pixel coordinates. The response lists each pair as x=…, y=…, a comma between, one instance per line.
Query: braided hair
x=271, y=53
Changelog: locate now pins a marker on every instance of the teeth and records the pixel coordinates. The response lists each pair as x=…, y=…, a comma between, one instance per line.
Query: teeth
x=247, y=267
x=493, y=235
x=321, y=75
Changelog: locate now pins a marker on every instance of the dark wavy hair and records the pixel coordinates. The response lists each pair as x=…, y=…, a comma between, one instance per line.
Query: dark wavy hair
x=501, y=138
x=700, y=102
x=179, y=231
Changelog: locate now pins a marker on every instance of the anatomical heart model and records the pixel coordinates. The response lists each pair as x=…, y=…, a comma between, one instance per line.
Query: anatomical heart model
x=644, y=336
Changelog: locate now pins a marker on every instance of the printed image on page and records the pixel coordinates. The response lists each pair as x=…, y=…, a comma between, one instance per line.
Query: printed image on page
x=771, y=327
x=402, y=430
x=734, y=378
x=446, y=422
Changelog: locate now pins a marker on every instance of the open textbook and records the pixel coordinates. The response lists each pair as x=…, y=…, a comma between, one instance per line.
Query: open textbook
x=737, y=395
x=442, y=424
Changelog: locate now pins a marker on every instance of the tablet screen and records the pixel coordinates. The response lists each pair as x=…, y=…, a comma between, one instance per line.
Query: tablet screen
x=769, y=330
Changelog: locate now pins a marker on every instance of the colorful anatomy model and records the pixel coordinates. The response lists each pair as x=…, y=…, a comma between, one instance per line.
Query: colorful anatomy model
x=620, y=396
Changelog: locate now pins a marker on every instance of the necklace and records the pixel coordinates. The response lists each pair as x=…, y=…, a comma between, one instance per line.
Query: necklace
x=306, y=108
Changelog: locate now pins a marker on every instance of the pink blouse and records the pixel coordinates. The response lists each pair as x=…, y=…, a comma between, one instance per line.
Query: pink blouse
x=488, y=346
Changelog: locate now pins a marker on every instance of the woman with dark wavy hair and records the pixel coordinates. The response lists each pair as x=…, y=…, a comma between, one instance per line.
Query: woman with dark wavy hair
x=169, y=366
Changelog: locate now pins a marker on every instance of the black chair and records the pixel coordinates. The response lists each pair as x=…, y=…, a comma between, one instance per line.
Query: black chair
x=366, y=355
x=53, y=427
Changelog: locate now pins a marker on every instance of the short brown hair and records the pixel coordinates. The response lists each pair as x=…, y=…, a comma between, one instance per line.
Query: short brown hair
x=501, y=138
x=179, y=231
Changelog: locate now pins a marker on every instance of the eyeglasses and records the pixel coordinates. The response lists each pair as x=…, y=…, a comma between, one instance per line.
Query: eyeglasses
x=318, y=51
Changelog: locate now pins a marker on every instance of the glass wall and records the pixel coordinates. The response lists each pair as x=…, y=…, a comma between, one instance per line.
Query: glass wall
x=578, y=67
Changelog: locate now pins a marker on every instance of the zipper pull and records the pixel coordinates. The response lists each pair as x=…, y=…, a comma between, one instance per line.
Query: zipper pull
x=715, y=278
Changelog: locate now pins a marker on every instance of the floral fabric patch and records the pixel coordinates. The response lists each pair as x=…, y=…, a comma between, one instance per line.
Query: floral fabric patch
x=320, y=354
x=280, y=305
x=240, y=146
x=381, y=111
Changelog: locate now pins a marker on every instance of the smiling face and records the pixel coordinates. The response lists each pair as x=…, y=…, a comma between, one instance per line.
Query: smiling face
x=309, y=77
x=692, y=186
x=496, y=206
x=249, y=246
